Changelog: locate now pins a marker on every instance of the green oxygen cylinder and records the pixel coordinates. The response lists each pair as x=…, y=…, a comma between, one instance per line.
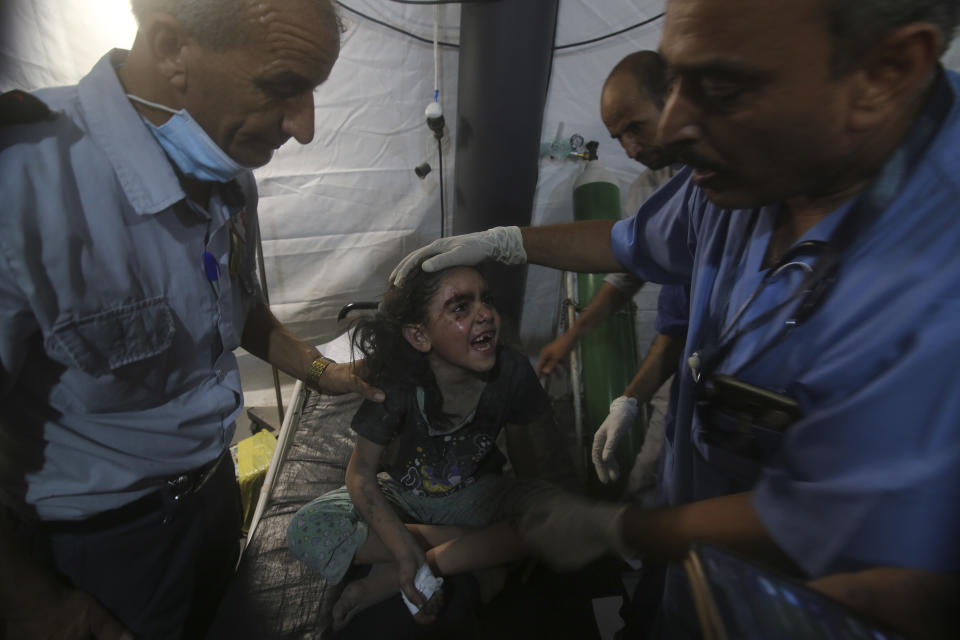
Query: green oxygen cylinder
x=608, y=355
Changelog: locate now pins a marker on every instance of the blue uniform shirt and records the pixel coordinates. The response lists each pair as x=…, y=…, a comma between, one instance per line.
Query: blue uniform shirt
x=673, y=317
x=870, y=475
x=673, y=311
x=116, y=363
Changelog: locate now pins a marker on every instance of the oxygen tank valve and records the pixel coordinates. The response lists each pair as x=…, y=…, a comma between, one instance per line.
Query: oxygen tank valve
x=435, y=119
x=592, y=149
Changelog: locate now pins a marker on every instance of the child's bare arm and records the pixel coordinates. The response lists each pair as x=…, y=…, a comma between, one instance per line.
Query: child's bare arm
x=361, y=481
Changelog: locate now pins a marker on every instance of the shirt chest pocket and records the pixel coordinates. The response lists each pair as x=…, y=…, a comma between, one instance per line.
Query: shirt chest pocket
x=103, y=342
x=739, y=427
x=733, y=445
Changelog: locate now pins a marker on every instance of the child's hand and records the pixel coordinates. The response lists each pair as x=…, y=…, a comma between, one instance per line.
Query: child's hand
x=431, y=610
x=409, y=558
x=431, y=588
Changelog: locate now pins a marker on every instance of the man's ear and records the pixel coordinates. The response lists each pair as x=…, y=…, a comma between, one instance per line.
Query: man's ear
x=897, y=67
x=417, y=337
x=166, y=39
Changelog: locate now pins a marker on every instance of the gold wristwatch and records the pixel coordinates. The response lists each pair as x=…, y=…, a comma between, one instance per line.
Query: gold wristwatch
x=317, y=367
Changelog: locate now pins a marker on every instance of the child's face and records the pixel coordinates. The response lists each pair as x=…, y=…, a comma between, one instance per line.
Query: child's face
x=461, y=326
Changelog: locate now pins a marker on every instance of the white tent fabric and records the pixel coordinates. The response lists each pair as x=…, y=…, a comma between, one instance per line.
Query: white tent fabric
x=337, y=214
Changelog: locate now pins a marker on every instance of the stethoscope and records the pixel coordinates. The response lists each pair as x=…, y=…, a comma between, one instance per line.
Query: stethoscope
x=786, y=262
x=704, y=360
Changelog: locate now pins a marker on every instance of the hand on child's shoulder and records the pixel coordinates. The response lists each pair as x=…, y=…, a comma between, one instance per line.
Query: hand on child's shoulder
x=341, y=378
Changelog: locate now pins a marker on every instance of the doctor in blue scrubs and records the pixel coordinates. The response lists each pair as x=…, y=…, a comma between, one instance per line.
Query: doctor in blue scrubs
x=818, y=223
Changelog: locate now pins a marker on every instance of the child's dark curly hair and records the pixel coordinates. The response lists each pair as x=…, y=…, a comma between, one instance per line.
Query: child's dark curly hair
x=387, y=354
x=388, y=357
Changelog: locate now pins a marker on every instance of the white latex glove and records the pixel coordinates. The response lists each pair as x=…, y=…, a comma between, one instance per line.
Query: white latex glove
x=623, y=413
x=504, y=244
x=643, y=476
x=568, y=531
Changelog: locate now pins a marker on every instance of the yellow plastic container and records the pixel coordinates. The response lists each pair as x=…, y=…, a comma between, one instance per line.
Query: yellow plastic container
x=251, y=457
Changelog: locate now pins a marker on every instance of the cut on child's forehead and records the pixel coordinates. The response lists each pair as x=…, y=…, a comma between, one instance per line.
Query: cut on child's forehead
x=461, y=283
x=461, y=273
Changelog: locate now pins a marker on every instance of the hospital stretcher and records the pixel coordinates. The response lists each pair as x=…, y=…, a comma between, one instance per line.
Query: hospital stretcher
x=274, y=596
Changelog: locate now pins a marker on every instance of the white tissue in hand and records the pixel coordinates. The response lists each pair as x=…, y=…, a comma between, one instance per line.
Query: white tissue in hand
x=426, y=583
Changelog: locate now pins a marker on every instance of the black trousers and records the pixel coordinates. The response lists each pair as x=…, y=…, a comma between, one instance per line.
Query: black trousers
x=162, y=573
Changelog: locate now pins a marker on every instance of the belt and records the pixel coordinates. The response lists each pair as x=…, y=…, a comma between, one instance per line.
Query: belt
x=161, y=502
x=193, y=481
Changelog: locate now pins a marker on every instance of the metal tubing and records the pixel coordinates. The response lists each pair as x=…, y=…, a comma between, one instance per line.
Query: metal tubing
x=570, y=279
x=266, y=298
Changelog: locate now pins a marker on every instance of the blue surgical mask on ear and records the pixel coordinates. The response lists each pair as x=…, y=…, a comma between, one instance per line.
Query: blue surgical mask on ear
x=190, y=148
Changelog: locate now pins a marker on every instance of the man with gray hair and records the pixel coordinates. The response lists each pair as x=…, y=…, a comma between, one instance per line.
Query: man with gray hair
x=127, y=279
x=817, y=222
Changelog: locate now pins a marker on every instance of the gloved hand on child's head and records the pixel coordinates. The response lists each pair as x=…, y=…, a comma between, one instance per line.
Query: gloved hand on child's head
x=503, y=244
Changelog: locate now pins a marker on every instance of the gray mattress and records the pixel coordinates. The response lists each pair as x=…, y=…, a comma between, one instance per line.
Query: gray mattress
x=273, y=595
